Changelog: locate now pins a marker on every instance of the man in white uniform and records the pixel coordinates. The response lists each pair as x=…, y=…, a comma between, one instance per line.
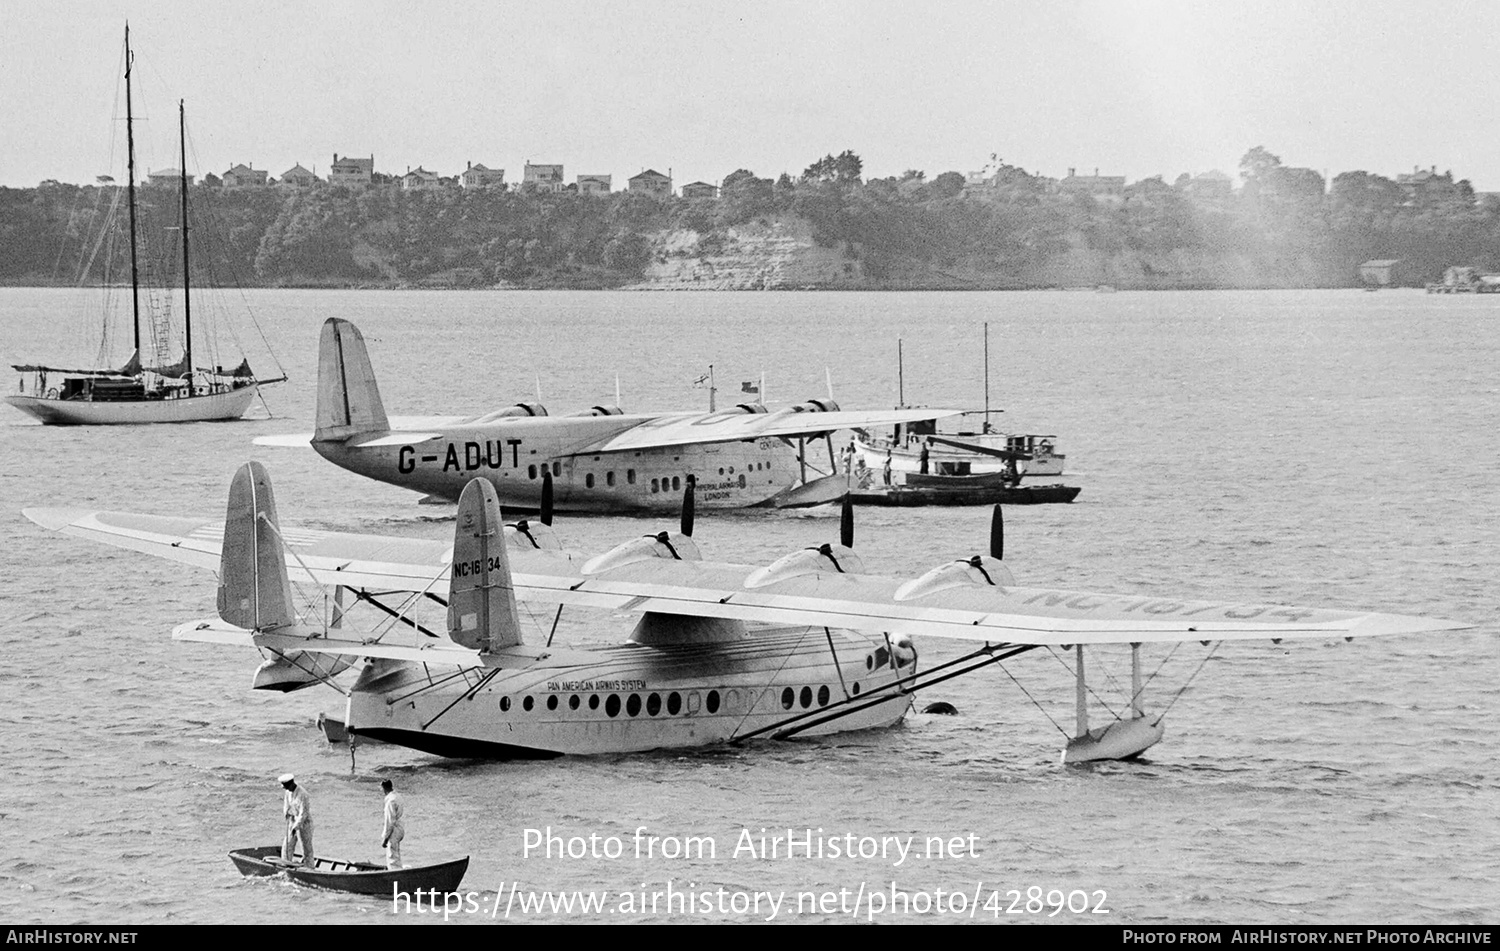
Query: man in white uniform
x=395, y=825
x=297, y=808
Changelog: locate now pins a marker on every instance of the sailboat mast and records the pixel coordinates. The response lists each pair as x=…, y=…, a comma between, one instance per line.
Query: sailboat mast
x=986, y=376
x=187, y=306
x=900, y=377
x=135, y=279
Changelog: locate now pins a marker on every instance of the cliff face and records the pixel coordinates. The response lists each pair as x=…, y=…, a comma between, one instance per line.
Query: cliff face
x=813, y=235
x=773, y=253
x=779, y=253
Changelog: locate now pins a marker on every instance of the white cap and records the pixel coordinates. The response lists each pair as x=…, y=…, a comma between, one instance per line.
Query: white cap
x=285, y=778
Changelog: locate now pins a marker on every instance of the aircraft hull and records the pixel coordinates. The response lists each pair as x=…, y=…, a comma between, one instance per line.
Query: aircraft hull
x=513, y=456
x=210, y=407
x=636, y=698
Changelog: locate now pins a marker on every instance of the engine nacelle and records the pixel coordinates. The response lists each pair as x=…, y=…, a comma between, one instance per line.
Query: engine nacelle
x=747, y=408
x=816, y=406
x=600, y=411
x=520, y=410
x=981, y=571
x=673, y=546
x=809, y=561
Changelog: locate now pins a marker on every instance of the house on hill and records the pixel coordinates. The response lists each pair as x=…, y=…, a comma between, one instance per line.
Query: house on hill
x=544, y=178
x=243, y=176
x=477, y=176
x=419, y=179
x=1212, y=188
x=298, y=177
x=652, y=182
x=594, y=184
x=700, y=190
x=351, y=172
x=1427, y=184
x=1105, y=188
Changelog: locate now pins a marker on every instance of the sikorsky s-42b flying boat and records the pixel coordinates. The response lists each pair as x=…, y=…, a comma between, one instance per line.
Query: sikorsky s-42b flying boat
x=601, y=459
x=809, y=644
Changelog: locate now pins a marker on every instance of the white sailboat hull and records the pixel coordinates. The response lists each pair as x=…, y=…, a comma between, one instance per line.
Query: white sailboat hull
x=230, y=404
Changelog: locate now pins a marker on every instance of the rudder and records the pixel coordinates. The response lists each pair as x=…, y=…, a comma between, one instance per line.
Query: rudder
x=348, y=399
x=481, y=595
x=253, y=589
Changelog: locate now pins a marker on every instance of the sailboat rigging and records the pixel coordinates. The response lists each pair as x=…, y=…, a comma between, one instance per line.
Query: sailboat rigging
x=171, y=391
x=917, y=450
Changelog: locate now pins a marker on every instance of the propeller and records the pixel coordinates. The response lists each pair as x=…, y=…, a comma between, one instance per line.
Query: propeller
x=547, y=496
x=846, y=522
x=997, y=535
x=687, y=505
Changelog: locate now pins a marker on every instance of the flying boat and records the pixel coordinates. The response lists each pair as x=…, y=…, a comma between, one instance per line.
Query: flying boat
x=602, y=459
x=809, y=644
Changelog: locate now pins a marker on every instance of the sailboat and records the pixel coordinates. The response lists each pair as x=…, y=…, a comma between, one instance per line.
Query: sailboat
x=171, y=390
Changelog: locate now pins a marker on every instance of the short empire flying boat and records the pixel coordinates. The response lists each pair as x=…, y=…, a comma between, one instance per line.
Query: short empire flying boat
x=602, y=459
x=810, y=644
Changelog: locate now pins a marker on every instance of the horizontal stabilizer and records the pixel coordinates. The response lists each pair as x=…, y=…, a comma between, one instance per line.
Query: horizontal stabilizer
x=391, y=439
x=286, y=440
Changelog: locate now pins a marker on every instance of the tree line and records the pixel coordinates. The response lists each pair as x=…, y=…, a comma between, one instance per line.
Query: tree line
x=1284, y=227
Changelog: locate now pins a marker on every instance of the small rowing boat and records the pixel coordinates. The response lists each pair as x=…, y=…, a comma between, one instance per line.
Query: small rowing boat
x=361, y=878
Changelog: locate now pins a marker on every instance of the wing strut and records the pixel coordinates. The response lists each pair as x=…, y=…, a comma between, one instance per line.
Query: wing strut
x=369, y=598
x=467, y=694
x=836, y=665
x=1124, y=738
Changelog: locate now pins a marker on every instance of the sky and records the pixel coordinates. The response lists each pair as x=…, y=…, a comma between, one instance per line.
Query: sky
x=704, y=87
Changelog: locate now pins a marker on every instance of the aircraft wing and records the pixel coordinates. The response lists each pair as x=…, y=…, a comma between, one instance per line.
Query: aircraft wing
x=678, y=429
x=924, y=607
x=215, y=631
x=378, y=562
x=985, y=613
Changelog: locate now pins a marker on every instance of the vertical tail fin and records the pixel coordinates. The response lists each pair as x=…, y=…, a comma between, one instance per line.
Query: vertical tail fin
x=253, y=588
x=348, y=400
x=481, y=596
